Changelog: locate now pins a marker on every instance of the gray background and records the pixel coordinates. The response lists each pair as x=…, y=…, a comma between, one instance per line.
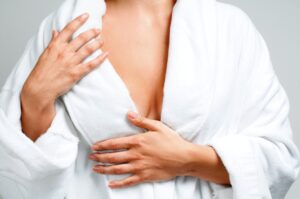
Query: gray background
x=277, y=20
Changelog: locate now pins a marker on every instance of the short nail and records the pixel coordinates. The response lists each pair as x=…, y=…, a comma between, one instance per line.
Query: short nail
x=111, y=184
x=92, y=157
x=98, y=37
x=85, y=15
x=95, y=169
x=132, y=115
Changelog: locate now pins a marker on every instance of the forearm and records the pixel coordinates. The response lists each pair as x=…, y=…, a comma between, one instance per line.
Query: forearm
x=205, y=163
x=36, y=116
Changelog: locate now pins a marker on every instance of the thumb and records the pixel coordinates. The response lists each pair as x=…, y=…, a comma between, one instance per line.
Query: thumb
x=143, y=122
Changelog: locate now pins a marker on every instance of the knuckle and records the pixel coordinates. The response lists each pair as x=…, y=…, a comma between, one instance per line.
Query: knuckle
x=100, y=43
x=139, y=140
x=137, y=167
x=110, y=158
x=82, y=38
x=74, y=75
x=140, y=120
x=117, y=170
x=61, y=55
x=130, y=182
x=82, y=70
x=46, y=52
x=53, y=46
x=136, y=157
x=113, y=144
x=89, y=49
x=68, y=29
x=159, y=124
x=144, y=176
x=93, y=32
x=89, y=66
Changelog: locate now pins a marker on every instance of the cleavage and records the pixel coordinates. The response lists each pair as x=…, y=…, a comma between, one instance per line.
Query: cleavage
x=139, y=58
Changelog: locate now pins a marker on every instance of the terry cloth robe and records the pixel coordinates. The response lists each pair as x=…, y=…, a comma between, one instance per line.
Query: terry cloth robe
x=220, y=90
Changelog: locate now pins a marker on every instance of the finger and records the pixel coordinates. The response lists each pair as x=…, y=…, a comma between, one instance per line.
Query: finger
x=113, y=157
x=114, y=169
x=66, y=34
x=130, y=181
x=114, y=144
x=143, y=122
x=83, y=38
x=52, y=43
x=86, y=68
x=54, y=34
x=88, y=49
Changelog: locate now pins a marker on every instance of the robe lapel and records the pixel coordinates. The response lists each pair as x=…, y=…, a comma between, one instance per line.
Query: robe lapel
x=191, y=67
x=98, y=103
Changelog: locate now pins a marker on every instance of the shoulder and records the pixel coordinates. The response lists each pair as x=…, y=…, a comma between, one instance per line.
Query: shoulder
x=234, y=20
x=238, y=33
x=235, y=23
x=232, y=13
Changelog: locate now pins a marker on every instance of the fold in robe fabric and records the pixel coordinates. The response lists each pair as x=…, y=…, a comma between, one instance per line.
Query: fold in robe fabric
x=220, y=90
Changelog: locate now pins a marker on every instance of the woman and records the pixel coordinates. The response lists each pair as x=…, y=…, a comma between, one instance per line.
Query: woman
x=187, y=106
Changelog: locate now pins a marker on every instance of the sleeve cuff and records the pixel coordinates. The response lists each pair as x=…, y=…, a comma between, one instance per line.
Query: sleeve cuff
x=237, y=155
x=52, y=152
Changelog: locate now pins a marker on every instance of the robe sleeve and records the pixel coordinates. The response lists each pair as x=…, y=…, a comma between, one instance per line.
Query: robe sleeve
x=261, y=158
x=39, y=169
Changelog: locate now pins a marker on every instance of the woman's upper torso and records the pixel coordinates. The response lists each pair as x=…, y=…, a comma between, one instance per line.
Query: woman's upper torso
x=219, y=89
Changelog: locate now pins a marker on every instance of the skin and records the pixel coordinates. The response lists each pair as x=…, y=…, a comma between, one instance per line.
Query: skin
x=148, y=42
x=144, y=155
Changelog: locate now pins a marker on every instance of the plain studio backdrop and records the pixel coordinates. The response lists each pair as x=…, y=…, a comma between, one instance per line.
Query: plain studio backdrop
x=277, y=20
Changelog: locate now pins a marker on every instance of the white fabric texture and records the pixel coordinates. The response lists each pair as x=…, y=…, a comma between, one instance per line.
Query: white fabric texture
x=220, y=90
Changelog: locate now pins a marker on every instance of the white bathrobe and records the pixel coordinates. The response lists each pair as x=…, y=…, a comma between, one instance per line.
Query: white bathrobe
x=220, y=90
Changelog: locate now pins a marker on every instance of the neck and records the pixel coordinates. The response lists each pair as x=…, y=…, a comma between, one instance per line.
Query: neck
x=151, y=7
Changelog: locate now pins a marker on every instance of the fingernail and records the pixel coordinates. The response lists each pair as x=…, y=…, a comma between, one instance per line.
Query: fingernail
x=95, y=169
x=94, y=147
x=105, y=54
x=85, y=15
x=92, y=157
x=132, y=115
x=111, y=184
x=98, y=37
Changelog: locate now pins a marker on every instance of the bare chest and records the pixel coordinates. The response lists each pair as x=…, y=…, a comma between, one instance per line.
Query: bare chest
x=139, y=56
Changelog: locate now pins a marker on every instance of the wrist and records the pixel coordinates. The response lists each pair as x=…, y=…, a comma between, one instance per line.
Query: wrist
x=194, y=154
x=35, y=101
x=199, y=157
x=204, y=163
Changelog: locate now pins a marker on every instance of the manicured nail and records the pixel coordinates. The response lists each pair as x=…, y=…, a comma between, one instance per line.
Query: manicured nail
x=105, y=54
x=111, y=184
x=95, y=169
x=92, y=157
x=98, y=37
x=132, y=115
x=85, y=15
